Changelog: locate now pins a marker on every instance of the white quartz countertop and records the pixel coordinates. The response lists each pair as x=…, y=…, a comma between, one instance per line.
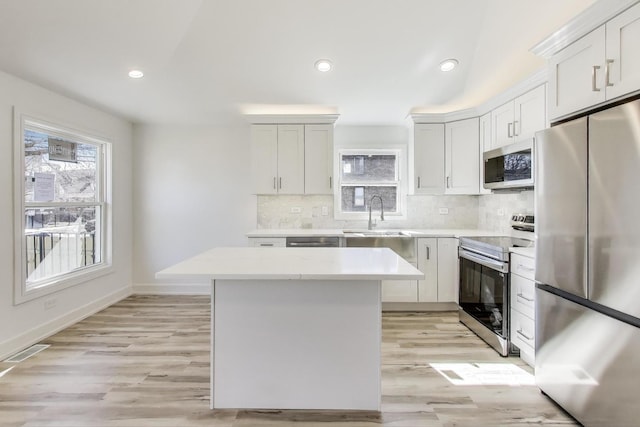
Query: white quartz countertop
x=248, y=263
x=528, y=252
x=445, y=232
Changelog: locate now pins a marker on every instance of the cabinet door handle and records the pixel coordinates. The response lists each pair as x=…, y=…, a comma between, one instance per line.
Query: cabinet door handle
x=515, y=128
x=525, y=336
x=509, y=131
x=266, y=244
x=607, y=69
x=330, y=183
x=418, y=182
x=428, y=252
x=274, y=182
x=594, y=69
x=447, y=182
x=525, y=268
x=524, y=298
x=280, y=183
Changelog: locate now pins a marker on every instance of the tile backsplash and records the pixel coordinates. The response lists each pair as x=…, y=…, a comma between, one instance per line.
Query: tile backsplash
x=490, y=212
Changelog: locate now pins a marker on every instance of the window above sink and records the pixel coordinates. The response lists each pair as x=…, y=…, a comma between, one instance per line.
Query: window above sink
x=365, y=173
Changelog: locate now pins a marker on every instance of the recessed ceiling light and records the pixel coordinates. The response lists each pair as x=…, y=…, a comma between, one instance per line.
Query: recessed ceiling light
x=448, y=64
x=136, y=74
x=323, y=65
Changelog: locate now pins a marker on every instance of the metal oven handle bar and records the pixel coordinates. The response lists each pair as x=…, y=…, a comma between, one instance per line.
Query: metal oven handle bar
x=487, y=262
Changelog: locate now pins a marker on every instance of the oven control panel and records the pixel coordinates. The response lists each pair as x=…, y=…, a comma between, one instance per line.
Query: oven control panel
x=523, y=222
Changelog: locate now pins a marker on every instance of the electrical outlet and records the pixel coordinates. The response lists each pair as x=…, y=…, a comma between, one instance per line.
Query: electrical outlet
x=443, y=211
x=296, y=210
x=325, y=210
x=50, y=303
x=500, y=212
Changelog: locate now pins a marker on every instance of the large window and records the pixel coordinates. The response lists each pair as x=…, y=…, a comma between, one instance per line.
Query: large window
x=61, y=207
x=365, y=174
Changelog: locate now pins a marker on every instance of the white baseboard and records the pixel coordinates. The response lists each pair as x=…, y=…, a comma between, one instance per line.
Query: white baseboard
x=419, y=306
x=172, y=288
x=37, y=334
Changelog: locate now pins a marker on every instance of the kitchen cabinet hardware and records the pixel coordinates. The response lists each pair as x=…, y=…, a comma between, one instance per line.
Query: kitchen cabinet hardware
x=418, y=182
x=525, y=336
x=515, y=128
x=520, y=295
x=607, y=69
x=594, y=70
x=509, y=129
x=280, y=183
x=525, y=268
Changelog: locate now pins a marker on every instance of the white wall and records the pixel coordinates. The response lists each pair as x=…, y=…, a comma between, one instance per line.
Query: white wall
x=191, y=193
x=22, y=325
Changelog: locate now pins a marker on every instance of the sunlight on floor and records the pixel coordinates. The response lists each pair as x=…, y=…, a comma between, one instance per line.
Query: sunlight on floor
x=484, y=374
x=6, y=371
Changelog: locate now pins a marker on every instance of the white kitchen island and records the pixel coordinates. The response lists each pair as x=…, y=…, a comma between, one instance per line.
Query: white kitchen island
x=295, y=328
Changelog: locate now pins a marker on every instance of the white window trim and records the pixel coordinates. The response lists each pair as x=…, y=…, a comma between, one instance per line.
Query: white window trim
x=24, y=120
x=401, y=155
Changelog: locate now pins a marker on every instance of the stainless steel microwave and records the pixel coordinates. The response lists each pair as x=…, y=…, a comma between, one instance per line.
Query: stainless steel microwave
x=510, y=166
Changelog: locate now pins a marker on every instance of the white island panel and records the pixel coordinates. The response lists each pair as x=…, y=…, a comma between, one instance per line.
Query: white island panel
x=296, y=344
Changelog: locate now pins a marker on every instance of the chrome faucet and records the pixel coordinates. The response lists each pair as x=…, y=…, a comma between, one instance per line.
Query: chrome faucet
x=371, y=225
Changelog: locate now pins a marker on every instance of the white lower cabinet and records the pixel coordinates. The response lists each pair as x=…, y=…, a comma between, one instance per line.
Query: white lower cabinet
x=268, y=242
x=438, y=260
x=522, y=299
x=400, y=290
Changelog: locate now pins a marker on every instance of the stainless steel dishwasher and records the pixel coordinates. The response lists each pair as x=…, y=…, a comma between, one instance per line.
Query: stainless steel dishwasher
x=313, y=242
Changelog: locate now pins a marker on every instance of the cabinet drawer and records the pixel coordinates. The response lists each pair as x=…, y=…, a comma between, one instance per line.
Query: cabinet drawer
x=267, y=242
x=523, y=293
x=523, y=331
x=523, y=266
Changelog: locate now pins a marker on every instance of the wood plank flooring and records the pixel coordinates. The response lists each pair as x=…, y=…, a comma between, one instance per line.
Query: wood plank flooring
x=145, y=362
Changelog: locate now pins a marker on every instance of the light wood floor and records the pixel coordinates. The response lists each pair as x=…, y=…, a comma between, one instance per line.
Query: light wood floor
x=145, y=362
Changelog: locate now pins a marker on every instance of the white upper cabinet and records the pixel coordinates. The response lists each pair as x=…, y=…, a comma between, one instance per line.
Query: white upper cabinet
x=601, y=66
x=575, y=75
x=277, y=159
x=318, y=159
x=462, y=157
x=428, y=158
x=623, y=60
x=264, y=158
x=519, y=119
x=485, y=145
x=290, y=159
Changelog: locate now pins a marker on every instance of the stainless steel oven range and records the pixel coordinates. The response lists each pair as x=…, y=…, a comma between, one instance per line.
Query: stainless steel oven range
x=484, y=288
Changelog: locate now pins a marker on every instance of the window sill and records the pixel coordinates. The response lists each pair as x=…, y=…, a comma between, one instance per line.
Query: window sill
x=21, y=295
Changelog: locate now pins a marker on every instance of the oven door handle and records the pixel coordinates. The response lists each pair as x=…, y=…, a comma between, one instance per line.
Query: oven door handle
x=495, y=265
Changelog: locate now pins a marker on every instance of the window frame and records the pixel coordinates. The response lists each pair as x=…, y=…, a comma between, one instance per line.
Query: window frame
x=22, y=122
x=399, y=183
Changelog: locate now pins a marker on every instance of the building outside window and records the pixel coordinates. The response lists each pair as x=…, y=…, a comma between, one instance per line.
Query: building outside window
x=368, y=173
x=62, y=210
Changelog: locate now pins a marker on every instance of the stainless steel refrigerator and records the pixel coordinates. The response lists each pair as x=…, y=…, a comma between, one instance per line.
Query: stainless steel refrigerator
x=588, y=265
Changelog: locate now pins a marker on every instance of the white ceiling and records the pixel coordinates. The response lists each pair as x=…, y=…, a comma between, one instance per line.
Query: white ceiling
x=209, y=61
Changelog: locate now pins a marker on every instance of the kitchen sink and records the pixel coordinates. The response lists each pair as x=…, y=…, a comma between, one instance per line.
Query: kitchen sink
x=401, y=243
x=361, y=233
